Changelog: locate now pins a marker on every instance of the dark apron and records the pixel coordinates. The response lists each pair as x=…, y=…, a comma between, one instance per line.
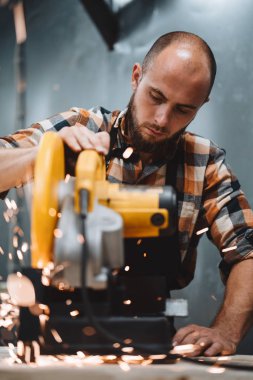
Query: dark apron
x=153, y=262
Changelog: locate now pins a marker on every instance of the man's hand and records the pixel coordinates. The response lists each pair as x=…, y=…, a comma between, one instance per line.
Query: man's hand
x=79, y=138
x=206, y=341
x=233, y=320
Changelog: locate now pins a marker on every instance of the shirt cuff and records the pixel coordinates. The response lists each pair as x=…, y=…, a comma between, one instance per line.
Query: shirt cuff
x=243, y=250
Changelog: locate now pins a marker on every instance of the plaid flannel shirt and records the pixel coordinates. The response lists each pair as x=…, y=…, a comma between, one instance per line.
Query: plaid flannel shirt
x=209, y=194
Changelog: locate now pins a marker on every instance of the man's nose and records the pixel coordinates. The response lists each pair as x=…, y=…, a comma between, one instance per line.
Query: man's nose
x=163, y=116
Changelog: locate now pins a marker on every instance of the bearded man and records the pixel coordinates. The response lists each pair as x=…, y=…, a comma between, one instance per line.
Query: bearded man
x=169, y=88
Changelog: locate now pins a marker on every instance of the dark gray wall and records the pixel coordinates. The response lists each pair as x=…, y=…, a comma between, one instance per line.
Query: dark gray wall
x=68, y=64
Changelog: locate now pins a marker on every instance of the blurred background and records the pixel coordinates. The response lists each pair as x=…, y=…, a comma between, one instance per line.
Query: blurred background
x=80, y=53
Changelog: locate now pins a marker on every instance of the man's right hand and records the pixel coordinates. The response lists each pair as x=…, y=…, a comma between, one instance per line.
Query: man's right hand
x=79, y=138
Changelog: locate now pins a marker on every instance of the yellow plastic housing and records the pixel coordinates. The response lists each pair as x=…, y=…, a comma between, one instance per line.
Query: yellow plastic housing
x=49, y=171
x=139, y=206
x=90, y=168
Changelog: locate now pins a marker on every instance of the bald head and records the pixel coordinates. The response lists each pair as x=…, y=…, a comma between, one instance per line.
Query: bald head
x=190, y=49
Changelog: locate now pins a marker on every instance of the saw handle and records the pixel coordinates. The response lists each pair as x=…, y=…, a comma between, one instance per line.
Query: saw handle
x=90, y=168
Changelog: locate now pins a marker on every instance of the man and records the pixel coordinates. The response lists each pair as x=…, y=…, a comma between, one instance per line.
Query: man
x=169, y=88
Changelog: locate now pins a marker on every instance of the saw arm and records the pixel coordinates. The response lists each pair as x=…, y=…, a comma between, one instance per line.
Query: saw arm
x=145, y=211
x=80, y=226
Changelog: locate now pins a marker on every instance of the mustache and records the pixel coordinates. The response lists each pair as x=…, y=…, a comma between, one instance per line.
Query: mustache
x=162, y=130
x=155, y=127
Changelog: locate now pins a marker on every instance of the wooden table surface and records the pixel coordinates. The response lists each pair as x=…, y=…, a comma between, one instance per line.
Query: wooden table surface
x=49, y=368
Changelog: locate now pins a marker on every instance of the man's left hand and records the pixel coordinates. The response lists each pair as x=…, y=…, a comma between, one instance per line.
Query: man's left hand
x=206, y=341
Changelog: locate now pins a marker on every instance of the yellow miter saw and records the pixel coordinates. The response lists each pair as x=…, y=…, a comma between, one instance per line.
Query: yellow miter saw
x=85, y=296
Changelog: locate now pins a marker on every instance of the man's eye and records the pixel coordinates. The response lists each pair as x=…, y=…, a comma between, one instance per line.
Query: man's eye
x=155, y=98
x=183, y=111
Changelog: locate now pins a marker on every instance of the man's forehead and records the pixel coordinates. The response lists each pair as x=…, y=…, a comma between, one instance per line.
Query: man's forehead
x=181, y=80
x=176, y=46
x=182, y=60
x=184, y=53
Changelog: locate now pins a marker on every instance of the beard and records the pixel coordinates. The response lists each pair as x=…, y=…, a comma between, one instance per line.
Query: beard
x=142, y=144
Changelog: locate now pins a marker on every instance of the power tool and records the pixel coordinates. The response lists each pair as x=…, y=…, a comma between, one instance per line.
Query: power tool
x=85, y=298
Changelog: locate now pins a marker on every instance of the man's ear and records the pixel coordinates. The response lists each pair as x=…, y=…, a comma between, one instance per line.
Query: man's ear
x=136, y=75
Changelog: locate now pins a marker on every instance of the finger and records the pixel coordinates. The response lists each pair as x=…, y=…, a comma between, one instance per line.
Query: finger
x=102, y=142
x=69, y=138
x=191, y=338
x=230, y=350
x=196, y=351
x=85, y=133
x=215, y=349
x=72, y=142
x=83, y=138
x=182, y=333
x=90, y=140
x=200, y=346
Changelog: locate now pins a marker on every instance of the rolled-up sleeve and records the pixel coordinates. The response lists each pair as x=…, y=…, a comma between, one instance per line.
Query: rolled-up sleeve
x=227, y=212
x=29, y=137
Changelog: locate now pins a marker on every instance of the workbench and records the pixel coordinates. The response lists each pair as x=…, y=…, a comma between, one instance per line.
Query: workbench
x=51, y=368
